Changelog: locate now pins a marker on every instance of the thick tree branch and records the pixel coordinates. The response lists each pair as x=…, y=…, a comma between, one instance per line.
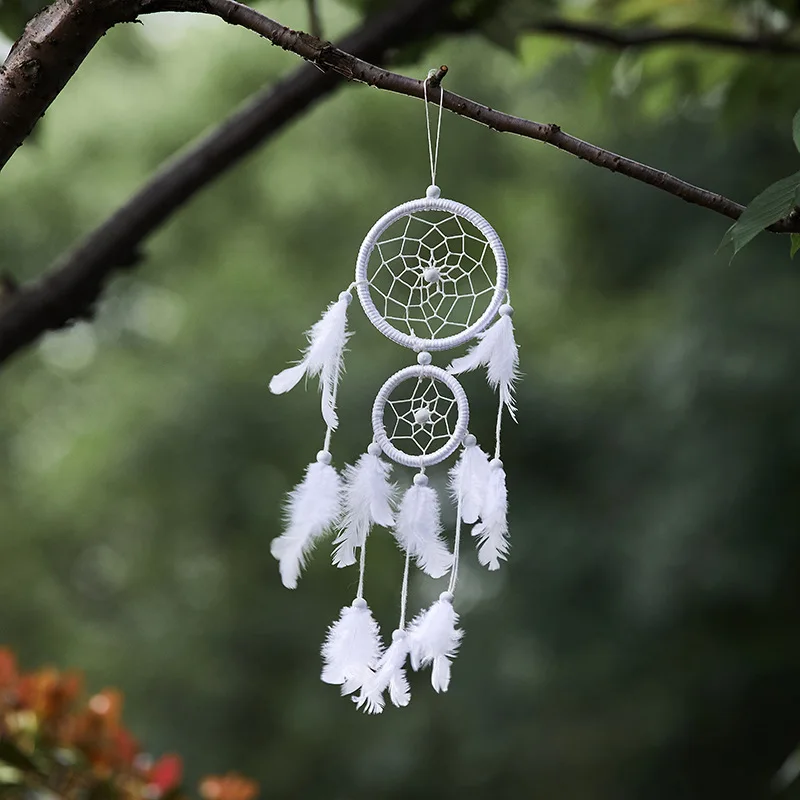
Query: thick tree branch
x=622, y=38
x=71, y=288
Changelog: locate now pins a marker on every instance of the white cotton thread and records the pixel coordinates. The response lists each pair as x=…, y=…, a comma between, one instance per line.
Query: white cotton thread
x=433, y=152
x=404, y=593
x=362, y=568
x=456, y=548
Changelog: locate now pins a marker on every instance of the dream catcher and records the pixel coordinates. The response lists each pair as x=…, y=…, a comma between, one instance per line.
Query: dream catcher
x=431, y=276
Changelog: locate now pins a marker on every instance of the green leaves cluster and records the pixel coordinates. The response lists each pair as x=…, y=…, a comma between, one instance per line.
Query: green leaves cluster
x=776, y=202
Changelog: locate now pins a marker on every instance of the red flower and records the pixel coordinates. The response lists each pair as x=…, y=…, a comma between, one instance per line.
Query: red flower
x=165, y=774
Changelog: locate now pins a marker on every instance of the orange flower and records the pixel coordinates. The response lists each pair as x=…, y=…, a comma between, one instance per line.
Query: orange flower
x=49, y=693
x=228, y=787
x=8, y=670
x=98, y=735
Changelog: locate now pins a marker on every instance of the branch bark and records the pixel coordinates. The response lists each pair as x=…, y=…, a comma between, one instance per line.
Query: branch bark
x=623, y=38
x=71, y=288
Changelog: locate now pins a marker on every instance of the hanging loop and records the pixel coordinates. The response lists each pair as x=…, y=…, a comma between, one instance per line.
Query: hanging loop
x=433, y=146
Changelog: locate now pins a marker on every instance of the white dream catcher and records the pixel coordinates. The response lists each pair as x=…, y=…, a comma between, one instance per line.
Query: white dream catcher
x=431, y=275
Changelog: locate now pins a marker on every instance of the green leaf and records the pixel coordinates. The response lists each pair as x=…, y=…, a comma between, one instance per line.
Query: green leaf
x=14, y=757
x=795, y=244
x=775, y=202
x=796, y=130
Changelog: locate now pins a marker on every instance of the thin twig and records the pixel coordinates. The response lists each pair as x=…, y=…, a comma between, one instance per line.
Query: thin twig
x=435, y=80
x=777, y=45
x=314, y=19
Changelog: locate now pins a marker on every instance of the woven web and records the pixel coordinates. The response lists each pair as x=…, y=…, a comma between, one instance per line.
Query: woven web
x=421, y=416
x=425, y=304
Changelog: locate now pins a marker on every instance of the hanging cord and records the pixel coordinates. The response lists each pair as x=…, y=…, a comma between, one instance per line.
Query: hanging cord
x=362, y=568
x=500, y=404
x=433, y=152
x=404, y=593
x=498, y=428
x=456, y=547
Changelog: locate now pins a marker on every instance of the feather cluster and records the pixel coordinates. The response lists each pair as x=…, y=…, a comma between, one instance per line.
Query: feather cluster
x=468, y=479
x=497, y=350
x=390, y=674
x=314, y=506
x=368, y=498
x=418, y=530
x=323, y=357
x=352, y=648
x=491, y=533
x=434, y=638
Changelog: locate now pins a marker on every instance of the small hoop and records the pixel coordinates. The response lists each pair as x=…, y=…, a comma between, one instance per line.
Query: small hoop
x=363, y=283
x=379, y=427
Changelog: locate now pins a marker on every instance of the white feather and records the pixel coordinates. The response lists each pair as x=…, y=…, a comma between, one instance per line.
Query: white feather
x=434, y=639
x=323, y=357
x=497, y=350
x=491, y=533
x=468, y=479
x=391, y=675
x=352, y=648
x=313, y=506
x=368, y=498
x=418, y=530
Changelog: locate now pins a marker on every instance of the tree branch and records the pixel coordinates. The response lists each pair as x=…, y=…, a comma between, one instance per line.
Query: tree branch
x=622, y=38
x=70, y=289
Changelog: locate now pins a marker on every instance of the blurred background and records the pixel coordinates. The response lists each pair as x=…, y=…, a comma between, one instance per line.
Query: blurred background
x=643, y=639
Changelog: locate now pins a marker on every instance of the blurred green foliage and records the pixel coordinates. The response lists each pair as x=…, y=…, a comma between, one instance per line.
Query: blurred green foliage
x=642, y=640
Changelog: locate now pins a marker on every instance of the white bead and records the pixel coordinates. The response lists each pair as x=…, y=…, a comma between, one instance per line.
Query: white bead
x=398, y=634
x=424, y=358
x=433, y=192
x=359, y=602
x=324, y=457
x=432, y=275
x=422, y=416
x=505, y=310
x=346, y=296
x=470, y=440
x=420, y=479
x=496, y=463
x=446, y=597
x=374, y=449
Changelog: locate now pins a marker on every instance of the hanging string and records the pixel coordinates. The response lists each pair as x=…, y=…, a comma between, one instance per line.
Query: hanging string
x=404, y=593
x=433, y=152
x=362, y=568
x=497, y=429
x=456, y=548
x=500, y=407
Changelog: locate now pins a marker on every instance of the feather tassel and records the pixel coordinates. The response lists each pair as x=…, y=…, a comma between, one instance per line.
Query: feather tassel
x=491, y=533
x=323, y=357
x=352, y=648
x=391, y=675
x=434, y=639
x=368, y=498
x=418, y=529
x=468, y=479
x=498, y=351
x=314, y=505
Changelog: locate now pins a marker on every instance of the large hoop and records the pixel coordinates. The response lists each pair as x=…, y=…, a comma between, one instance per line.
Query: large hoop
x=363, y=280
x=456, y=436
